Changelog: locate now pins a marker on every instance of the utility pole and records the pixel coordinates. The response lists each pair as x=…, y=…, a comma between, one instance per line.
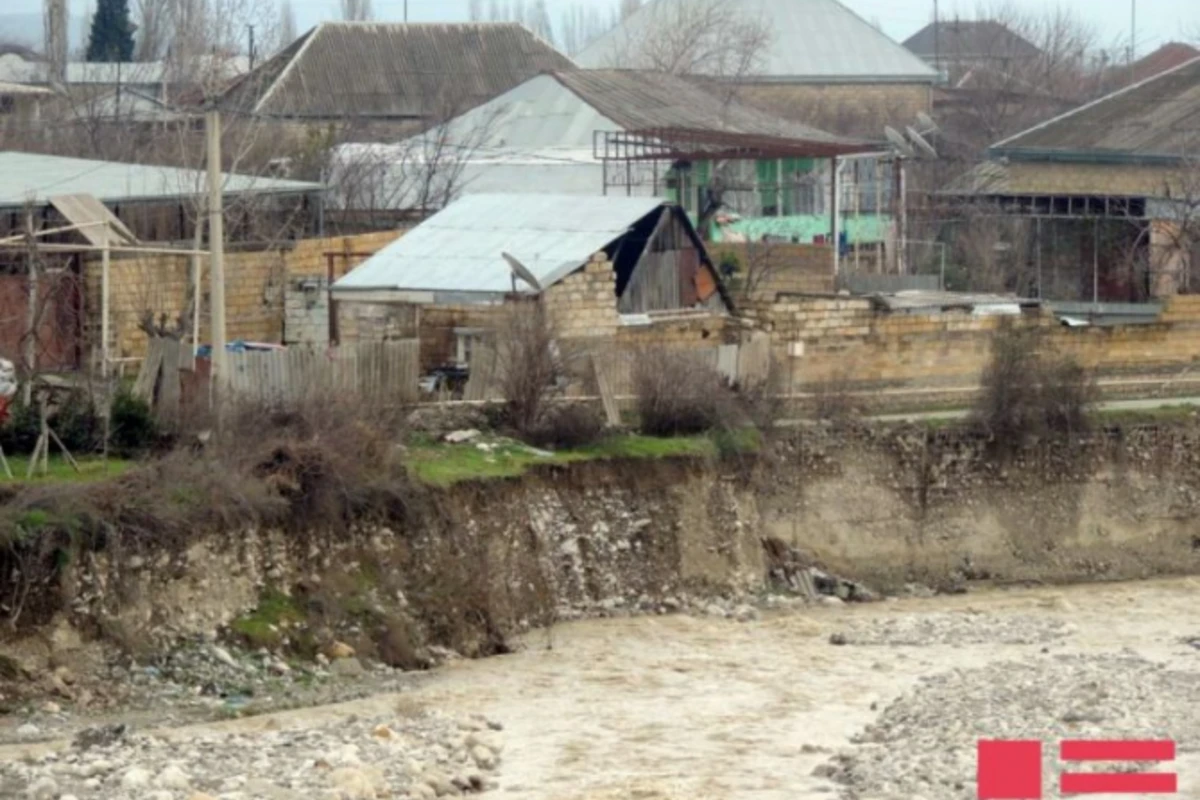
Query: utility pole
x=937, y=40
x=406, y=10
x=251, y=27
x=1132, y=29
x=31, y=332
x=216, y=246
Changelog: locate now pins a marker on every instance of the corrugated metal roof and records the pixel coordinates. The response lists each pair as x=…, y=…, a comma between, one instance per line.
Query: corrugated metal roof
x=33, y=177
x=459, y=248
x=638, y=100
x=381, y=70
x=928, y=302
x=1157, y=118
x=813, y=40
x=970, y=39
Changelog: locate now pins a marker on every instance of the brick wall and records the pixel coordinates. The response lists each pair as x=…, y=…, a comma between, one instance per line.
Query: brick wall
x=437, y=324
x=255, y=287
x=1086, y=179
x=584, y=304
x=846, y=339
x=842, y=107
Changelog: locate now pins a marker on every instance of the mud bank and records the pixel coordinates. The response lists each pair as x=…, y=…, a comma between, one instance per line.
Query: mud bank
x=464, y=567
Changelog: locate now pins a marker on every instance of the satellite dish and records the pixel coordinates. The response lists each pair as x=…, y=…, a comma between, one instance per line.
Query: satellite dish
x=519, y=271
x=927, y=124
x=919, y=142
x=898, y=141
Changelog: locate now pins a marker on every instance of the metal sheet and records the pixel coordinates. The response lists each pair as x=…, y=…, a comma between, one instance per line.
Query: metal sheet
x=810, y=39
x=34, y=177
x=83, y=209
x=459, y=248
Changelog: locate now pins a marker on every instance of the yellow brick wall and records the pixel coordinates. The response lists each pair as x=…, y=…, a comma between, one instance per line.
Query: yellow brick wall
x=845, y=339
x=842, y=107
x=1087, y=179
x=254, y=289
x=584, y=304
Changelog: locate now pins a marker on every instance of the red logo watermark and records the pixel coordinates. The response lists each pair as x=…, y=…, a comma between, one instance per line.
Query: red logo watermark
x=1012, y=770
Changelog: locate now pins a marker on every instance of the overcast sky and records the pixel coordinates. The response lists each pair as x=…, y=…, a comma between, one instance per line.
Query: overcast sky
x=1158, y=21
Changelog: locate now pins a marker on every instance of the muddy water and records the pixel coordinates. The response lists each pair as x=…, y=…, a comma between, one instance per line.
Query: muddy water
x=680, y=708
x=684, y=708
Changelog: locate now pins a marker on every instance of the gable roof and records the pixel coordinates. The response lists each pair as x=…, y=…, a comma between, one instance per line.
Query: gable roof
x=810, y=41
x=392, y=71
x=1155, y=120
x=458, y=249
x=970, y=39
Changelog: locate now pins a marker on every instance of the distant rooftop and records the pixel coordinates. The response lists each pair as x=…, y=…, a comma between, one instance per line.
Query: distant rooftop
x=810, y=41
x=381, y=70
x=970, y=40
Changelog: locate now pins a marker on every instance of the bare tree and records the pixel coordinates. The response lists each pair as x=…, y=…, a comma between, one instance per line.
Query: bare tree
x=357, y=10
x=153, y=28
x=496, y=12
x=287, y=24
x=538, y=21
x=581, y=25
x=475, y=10
x=629, y=8
x=695, y=37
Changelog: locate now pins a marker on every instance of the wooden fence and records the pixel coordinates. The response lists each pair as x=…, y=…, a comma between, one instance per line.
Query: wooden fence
x=385, y=370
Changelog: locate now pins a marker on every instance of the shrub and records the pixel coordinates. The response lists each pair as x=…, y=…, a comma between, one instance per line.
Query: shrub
x=678, y=394
x=1027, y=394
x=132, y=429
x=568, y=426
x=527, y=365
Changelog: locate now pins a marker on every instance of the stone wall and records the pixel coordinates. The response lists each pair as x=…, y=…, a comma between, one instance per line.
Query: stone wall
x=255, y=287
x=584, y=304
x=845, y=339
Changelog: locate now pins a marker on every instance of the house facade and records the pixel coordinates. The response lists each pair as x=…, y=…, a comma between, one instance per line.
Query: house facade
x=1108, y=194
x=622, y=132
x=817, y=61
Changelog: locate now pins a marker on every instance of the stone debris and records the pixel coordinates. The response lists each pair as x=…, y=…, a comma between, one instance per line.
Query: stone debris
x=924, y=743
x=950, y=628
x=421, y=755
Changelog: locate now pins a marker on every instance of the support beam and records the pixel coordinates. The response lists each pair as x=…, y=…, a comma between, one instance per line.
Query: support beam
x=835, y=207
x=105, y=310
x=216, y=237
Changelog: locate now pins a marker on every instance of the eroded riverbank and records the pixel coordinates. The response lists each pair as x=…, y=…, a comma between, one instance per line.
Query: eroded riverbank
x=675, y=707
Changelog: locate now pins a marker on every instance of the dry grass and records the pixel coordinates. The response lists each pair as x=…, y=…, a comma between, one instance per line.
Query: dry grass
x=1030, y=394
x=680, y=394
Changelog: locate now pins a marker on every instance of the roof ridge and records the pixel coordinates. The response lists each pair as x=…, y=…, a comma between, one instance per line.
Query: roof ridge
x=1133, y=86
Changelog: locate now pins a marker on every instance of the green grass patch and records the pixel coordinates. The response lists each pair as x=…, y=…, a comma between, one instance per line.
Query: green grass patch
x=265, y=626
x=61, y=471
x=442, y=464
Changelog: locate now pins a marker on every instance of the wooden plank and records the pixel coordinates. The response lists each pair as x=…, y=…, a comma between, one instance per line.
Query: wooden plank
x=611, y=413
x=147, y=378
x=169, y=390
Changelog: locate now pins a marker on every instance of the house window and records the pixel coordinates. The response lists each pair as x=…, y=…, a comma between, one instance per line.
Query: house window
x=7, y=104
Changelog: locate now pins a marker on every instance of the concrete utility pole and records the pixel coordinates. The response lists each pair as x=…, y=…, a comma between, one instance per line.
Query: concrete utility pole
x=1132, y=30
x=216, y=238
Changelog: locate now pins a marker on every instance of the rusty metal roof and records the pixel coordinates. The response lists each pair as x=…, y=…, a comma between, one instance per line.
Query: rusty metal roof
x=393, y=71
x=1155, y=120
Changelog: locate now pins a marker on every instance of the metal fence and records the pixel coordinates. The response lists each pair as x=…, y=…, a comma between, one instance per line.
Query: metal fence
x=388, y=370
